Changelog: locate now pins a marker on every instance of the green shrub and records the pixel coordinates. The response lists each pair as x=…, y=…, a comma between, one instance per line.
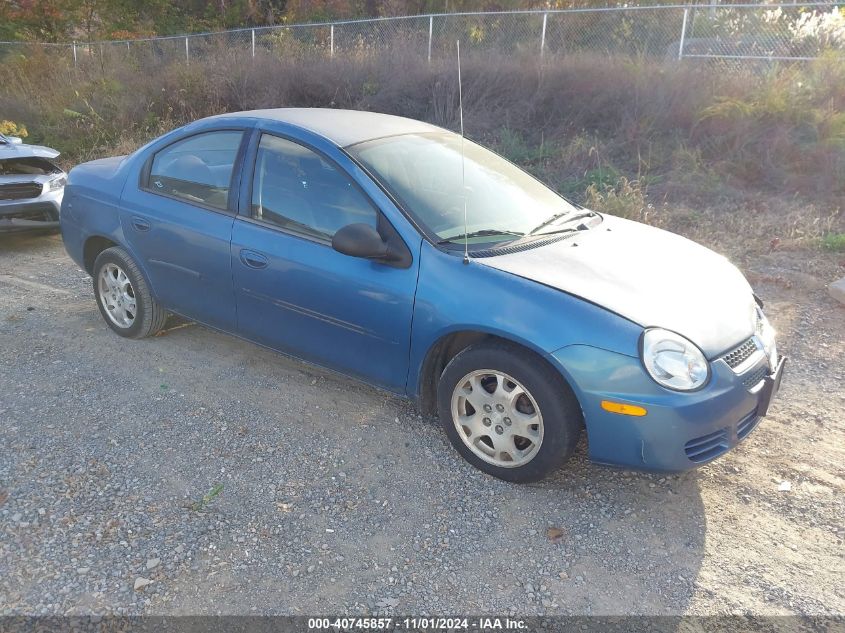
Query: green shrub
x=513, y=145
x=834, y=242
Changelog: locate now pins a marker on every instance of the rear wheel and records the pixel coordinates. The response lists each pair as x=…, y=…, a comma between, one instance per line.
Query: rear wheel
x=124, y=297
x=506, y=413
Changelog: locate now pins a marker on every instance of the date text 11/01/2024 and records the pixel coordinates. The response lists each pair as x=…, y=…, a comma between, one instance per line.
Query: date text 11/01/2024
x=417, y=624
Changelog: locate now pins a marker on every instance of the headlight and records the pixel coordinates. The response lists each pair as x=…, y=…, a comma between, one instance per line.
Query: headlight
x=673, y=361
x=57, y=183
x=766, y=333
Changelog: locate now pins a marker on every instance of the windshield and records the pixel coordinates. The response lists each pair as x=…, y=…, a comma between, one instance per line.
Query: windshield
x=423, y=171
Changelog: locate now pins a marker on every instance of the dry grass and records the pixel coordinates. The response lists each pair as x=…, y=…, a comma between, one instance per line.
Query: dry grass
x=757, y=153
x=676, y=128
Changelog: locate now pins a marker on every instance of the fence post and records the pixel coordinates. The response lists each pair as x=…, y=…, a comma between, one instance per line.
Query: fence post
x=331, y=41
x=253, y=43
x=430, y=33
x=74, y=54
x=187, y=55
x=683, y=35
x=543, y=35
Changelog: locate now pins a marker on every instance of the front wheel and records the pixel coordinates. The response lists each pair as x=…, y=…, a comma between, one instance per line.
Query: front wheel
x=507, y=412
x=124, y=297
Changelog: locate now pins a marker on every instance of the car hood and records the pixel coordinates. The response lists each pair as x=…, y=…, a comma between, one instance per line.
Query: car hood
x=14, y=150
x=647, y=275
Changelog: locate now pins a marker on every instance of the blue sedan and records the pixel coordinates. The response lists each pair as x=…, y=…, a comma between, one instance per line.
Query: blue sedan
x=393, y=251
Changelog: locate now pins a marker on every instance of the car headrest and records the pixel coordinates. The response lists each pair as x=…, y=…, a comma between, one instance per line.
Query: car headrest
x=190, y=167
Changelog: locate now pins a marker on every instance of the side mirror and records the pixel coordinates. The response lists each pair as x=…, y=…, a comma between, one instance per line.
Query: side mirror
x=360, y=240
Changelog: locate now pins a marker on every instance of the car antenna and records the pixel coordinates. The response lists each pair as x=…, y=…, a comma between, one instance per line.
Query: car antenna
x=463, y=160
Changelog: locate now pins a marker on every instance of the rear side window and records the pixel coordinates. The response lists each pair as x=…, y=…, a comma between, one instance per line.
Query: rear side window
x=197, y=169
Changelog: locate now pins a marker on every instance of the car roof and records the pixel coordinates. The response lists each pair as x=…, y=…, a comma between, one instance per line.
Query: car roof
x=342, y=127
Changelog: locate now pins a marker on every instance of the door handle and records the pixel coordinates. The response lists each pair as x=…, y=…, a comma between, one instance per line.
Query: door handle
x=253, y=259
x=140, y=224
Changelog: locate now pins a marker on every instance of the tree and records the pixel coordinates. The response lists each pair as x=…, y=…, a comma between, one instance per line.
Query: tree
x=47, y=20
x=61, y=20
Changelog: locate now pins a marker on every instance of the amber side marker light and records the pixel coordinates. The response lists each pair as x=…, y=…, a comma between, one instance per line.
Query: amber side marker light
x=623, y=409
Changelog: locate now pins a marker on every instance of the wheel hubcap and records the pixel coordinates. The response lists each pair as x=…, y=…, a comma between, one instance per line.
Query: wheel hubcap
x=117, y=295
x=497, y=418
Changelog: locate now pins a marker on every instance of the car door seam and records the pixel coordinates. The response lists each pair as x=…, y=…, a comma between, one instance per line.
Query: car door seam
x=413, y=314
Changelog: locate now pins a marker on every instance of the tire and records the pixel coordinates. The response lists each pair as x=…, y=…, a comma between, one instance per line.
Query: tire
x=126, y=303
x=533, y=415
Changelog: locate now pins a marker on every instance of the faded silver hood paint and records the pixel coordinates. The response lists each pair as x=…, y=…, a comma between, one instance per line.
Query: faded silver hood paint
x=650, y=276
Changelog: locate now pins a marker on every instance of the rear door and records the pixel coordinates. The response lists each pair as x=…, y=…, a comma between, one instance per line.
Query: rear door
x=297, y=294
x=178, y=219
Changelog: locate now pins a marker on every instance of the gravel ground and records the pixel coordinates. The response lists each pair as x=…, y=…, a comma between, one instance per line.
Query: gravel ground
x=338, y=498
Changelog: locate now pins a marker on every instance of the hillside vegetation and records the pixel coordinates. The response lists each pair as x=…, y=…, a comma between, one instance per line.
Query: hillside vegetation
x=631, y=137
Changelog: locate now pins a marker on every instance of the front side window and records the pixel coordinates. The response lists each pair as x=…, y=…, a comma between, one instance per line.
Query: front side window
x=298, y=190
x=197, y=169
x=435, y=175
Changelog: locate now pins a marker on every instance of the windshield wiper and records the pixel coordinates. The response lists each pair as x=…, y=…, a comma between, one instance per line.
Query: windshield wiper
x=557, y=216
x=481, y=233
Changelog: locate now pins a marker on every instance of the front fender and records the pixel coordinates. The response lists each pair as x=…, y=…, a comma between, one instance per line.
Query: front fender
x=453, y=296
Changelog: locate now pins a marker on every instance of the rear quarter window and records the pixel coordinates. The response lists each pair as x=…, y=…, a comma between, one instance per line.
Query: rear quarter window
x=197, y=169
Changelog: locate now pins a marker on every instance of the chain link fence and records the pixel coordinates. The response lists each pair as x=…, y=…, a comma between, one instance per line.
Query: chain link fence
x=693, y=32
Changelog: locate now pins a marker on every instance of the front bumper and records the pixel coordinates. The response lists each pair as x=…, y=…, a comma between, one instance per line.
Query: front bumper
x=682, y=430
x=33, y=214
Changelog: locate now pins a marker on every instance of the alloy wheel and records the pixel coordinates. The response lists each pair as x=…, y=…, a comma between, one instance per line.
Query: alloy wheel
x=117, y=295
x=497, y=418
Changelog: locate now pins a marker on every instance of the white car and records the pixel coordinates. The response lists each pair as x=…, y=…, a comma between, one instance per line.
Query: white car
x=31, y=186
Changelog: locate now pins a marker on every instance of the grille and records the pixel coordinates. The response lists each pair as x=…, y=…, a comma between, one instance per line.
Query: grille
x=20, y=190
x=753, y=377
x=38, y=212
x=747, y=425
x=706, y=447
x=739, y=355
